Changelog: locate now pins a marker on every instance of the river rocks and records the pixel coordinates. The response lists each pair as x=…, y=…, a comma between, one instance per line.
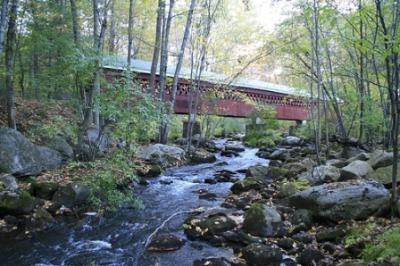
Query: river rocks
x=262, y=255
x=261, y=220
x=165, y=243
x=212, y=262
x=321, y=174
x=234, y=146
x=310, y=257
x=336, y=162
x=356, y=169
x=225, y=176
x=208, y=227
x=381, y=159
x=44, y=190
x=334, y=234
x=279, y=154
x=343, y=200
x=163, y=155
x=242, y=200
x=148, y=170
x=20, y=157
x=291, y=141
x=16, y=203
x=303, y=218
x=295, y=168
x=8, y=183
x=71, y=195
x=258, y=172
x=40, y=220
x=287, y=189
x=245, y=185
x=202, y=156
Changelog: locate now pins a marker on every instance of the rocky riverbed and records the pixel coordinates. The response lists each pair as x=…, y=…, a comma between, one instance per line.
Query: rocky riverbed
x=224, y=204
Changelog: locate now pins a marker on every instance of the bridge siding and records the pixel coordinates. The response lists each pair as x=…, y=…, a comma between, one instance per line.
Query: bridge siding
x=287, y=107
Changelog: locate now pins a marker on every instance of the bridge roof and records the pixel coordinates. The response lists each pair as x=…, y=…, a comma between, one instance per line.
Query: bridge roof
x=142, y=66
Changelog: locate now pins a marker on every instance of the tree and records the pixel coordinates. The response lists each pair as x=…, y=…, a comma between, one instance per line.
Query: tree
x=9, y=58
x=130, y=33
x=3, y=22
x=157, y=44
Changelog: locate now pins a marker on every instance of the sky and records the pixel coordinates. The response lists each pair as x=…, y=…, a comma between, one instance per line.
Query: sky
x=270, y=13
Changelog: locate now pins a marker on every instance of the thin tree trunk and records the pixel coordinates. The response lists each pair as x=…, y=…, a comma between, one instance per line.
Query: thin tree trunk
x=9, y=58
x=163, y=69
x=157, y=45
x=180, y=63
x=3, y=22
x=112, y=37
x=75, y=22
x=130, y=33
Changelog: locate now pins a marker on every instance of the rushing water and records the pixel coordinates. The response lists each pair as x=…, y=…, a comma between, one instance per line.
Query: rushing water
x=119, y=239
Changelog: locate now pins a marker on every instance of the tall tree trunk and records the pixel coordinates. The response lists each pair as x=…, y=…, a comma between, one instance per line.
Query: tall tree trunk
x=9, y=58
x=130, y=33
x=157, y=45
x=112, y=37
x=75, y=22
x=3, y=22
x=361, y=74
x=179, y=64
x=163, y=68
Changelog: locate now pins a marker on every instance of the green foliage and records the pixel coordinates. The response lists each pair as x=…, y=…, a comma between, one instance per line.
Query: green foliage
x=110, y=182
x=263, y=138
x=385, y=247
x=131, y=112
x=57, y=126
x=356, y=234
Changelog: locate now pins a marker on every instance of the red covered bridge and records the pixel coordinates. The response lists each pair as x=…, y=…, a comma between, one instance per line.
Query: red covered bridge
x=220, y=97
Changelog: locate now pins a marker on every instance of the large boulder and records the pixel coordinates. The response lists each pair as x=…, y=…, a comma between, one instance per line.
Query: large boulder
x=356, y=169
x=291, y=141
x=343, y=200
x=261, y=255
x=20, y=157
x=164, y=155
x=60, y=144
x=8, y=183
x=381, y=159
x=71, y=195
x=261, y=220
x=16, y=203
x=202, y=156
x=321, y=174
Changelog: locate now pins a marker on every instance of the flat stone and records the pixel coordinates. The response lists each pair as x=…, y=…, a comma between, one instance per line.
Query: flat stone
x=165, y=243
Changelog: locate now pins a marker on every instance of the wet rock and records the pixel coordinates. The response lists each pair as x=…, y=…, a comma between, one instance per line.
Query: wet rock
x=321, y=174
x=263, y=154
x=262, y=255
x=310, y=257
x=40, y=220
x=289, y=262
x=275, y=163
x=71, y=195
x=210, y=181
x=343, y=200
x=279, y=154
x=236, y=147
x=245, y=185
x=208, y=196
x=258, y=172
x=335, y=234
x=291, y=141
x=302, y=216
x=381, y=159
x=163, y=155
x=20, y=157
x=148, y=170
x=212, y=262
x=44, y=190
x=229, y=153
x=242, y=200
x=225, y=176
x=166, y=182
x=303, y=238
x=261, y=220
x=286, y=243
x=165, y=243
x=208, y=227
x=8, y=183
x=16, y=203
x=356, y=169
x=202, y=156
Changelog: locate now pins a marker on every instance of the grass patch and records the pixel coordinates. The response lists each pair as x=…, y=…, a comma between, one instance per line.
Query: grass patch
x=385, y=247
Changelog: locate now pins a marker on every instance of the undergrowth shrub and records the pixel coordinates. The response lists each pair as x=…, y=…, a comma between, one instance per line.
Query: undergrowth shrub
x=385, y=247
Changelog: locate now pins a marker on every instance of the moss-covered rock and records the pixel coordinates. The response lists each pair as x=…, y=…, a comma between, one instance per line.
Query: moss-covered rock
x=261, y=220
x=71, y=195
x=208, y=227
x=16, y=203
x=245, y=185
x=44, y=190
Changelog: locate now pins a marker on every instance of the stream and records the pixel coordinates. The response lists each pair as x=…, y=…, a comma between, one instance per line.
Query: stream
x=119, y=239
